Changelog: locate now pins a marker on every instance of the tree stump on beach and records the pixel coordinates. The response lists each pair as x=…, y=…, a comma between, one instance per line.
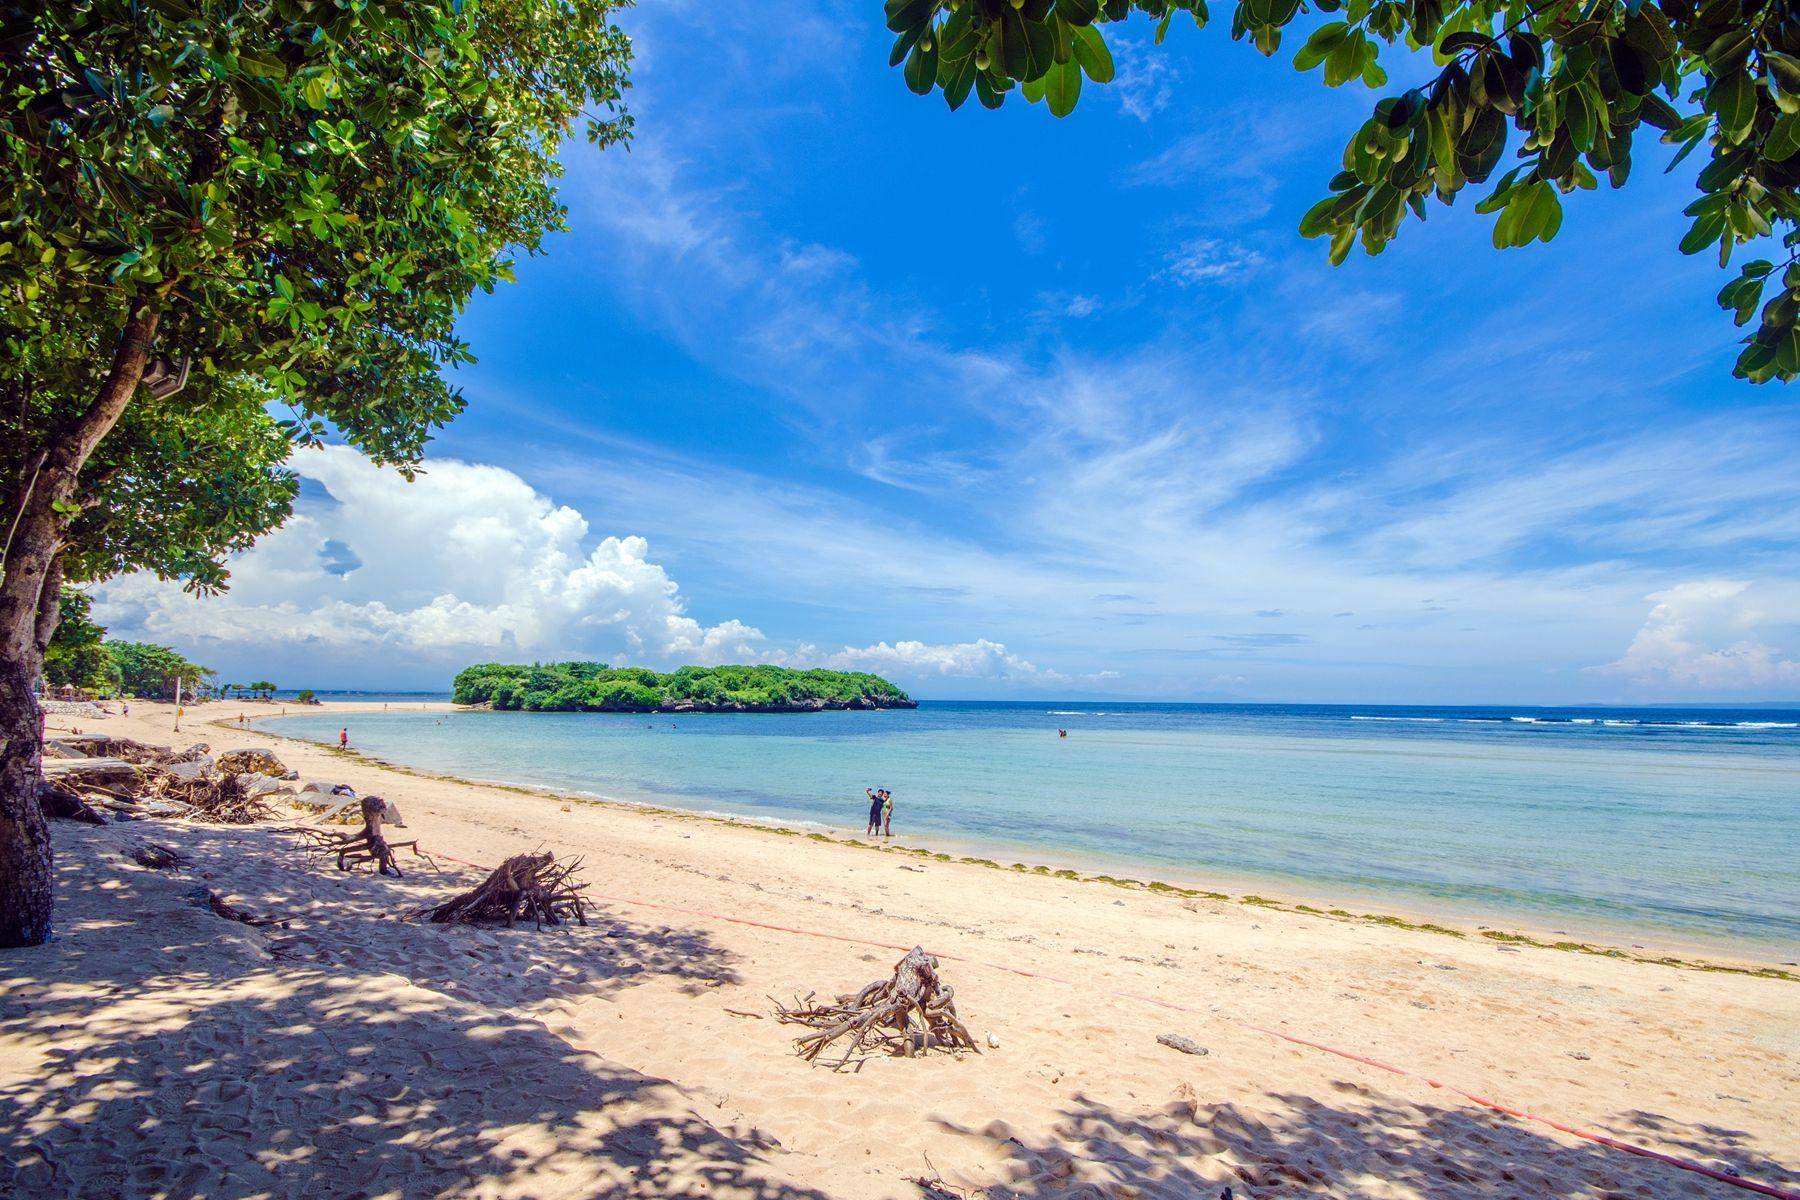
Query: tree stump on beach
x=370, y=843
x=912, y=1010
x=525, y=885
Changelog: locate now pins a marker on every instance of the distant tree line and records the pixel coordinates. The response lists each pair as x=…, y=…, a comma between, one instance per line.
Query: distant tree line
x=81, y=655
x=596, y=687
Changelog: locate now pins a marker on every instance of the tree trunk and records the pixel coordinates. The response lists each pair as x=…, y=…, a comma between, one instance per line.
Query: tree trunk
x=29, y=589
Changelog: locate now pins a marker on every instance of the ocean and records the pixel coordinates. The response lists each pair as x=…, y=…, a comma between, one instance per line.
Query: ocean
x=1680, y=827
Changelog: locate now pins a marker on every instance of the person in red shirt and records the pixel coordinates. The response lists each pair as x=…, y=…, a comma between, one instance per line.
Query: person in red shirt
x=343, y=739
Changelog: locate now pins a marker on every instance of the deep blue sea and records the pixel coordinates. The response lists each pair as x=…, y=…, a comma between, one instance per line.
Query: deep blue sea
x=1676, y=825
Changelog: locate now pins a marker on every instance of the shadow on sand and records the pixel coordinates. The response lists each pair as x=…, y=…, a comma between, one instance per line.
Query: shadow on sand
x=157, y=1049
x=1301, y=1146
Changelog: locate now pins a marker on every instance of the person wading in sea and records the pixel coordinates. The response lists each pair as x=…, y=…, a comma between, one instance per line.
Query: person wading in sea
x=875, y=803
x=887, y=813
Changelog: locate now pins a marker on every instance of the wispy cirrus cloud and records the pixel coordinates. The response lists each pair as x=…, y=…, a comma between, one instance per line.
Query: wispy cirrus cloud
x=1026, y=462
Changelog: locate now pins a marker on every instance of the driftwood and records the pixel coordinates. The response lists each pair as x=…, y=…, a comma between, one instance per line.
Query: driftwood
x=913, y=1009
x=231, y=912
x=61, y=802
x=216, y=799
x=157, y=856
x=369, y=844
x=525, y=885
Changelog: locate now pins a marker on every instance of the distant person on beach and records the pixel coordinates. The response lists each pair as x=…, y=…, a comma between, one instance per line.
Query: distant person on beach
x=1062, y=733
x=887, y=813
x=344, y=739
x=875, y=802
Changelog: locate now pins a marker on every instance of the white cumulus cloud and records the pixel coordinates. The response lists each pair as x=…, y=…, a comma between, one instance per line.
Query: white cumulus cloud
x=468, y=560
x=465, y=557
x=979, y=659
x=1701, y=638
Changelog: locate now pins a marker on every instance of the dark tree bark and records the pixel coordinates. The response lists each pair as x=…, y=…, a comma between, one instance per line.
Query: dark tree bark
x=29, y=590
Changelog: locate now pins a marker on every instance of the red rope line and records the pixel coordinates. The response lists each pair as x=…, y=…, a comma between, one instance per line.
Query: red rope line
x=1749, y=1185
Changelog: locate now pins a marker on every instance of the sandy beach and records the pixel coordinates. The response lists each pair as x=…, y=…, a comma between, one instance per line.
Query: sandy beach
x=156, y=1049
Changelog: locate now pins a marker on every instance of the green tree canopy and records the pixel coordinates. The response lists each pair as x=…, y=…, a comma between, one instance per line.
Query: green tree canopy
x=149, y=670
x=76, y=655
x=596, y=687
x=1568, y=84
x=212, y=211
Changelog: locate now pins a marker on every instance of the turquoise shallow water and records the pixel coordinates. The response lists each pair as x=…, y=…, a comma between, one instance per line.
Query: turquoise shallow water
x=1679, y=825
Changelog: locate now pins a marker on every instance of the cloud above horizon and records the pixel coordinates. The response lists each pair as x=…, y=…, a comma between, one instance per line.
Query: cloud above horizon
x=796, y=355
x=470, y=559
x=1702, y=637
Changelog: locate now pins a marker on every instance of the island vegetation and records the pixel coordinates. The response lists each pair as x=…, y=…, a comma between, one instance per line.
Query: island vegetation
x=596, y=687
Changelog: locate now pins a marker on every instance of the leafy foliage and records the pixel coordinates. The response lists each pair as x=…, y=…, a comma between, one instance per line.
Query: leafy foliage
x=75, y=655
x=304, y=193
x=596, y=687
x=146, y=669
x=1575, y=80
x=174, y=488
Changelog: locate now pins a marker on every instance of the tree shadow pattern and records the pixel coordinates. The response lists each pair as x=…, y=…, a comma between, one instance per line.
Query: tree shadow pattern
x=216, y=1066
x=1361, y=1146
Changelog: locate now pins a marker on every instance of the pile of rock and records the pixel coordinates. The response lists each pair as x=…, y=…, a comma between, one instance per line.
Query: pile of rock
x=71, y=708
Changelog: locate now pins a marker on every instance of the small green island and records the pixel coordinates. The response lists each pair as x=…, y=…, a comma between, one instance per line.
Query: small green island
x=596, y=687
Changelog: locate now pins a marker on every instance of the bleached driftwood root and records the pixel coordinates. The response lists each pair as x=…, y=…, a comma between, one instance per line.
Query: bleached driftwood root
x=369, y=844
x=525, y=885
x=913, y=1010
x=214, y=798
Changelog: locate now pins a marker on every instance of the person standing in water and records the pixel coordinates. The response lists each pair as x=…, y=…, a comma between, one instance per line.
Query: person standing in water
x=875, y=803
x=887, y=813
x=344, y=738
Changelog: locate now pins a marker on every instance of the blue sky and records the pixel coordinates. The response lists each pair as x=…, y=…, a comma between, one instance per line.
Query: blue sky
x=1009, y=406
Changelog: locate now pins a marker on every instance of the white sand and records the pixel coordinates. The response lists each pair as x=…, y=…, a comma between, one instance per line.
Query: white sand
x=159, y=1050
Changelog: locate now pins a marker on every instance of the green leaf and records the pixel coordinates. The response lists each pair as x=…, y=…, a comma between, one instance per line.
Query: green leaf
x=904, y=43
x=957, y=38
x=1783, y=139
x=1732, y=101
x=1658, y=112
x=1704, y=233
x=1062, y=88
x=1723, y=169
x=1784, y=72
x=1344, y=62
x=1323, y=41
x=1547, y=213
x=956, y=78
x=266, y=68
x=987, y=91
x=1341, y=241
x=1029, y=46
x=1092, y=55
x=1320, y=218
x=907, y=14
x=921, y=69
x=1443, y=146
x=1079, y=13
